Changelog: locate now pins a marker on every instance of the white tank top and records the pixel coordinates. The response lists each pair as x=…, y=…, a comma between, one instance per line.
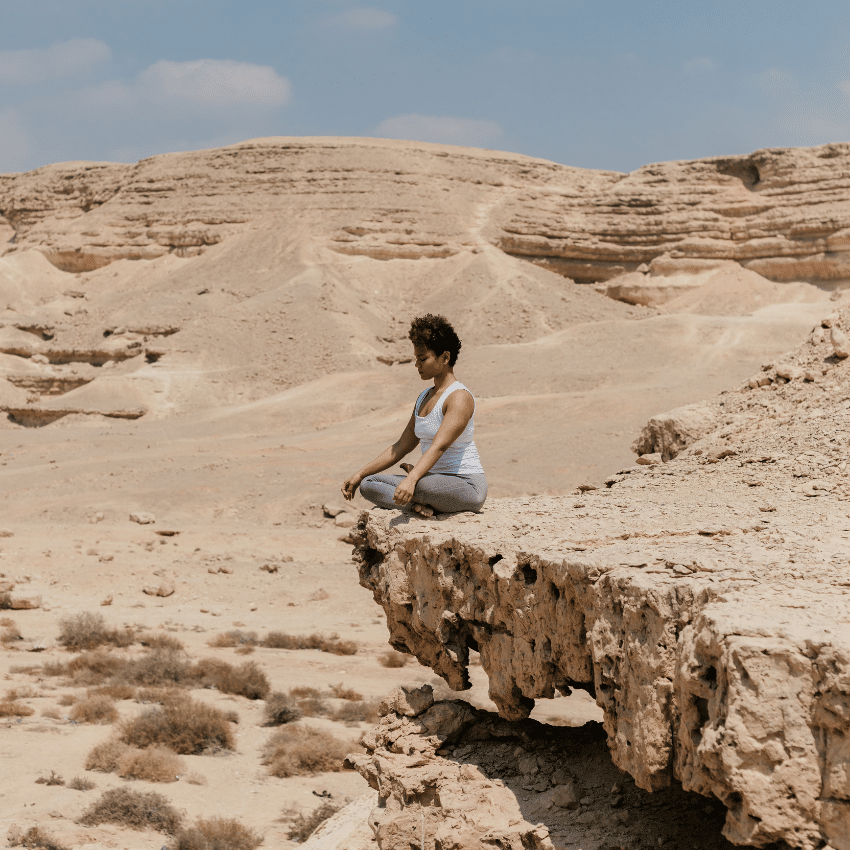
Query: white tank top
x=461, y=457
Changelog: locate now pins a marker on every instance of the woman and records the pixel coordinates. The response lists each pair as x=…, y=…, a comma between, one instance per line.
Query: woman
x=448, y=477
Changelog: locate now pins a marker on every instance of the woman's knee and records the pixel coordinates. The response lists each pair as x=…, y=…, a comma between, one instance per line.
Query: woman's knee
x=370, y=488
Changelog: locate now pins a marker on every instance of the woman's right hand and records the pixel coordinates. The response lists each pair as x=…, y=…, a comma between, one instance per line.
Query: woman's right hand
x=349, y=487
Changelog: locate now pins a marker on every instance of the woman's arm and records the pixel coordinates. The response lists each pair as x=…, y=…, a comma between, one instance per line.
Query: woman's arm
x=402, y=447
x=457, y=411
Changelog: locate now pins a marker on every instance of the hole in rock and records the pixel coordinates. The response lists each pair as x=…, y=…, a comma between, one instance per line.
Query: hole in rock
x=702, y=710
x=554, y=590
x=152, y=357
x=745, y=171
x=495, y=560
x=372, y=557
x=710, y=674
x=529, y=574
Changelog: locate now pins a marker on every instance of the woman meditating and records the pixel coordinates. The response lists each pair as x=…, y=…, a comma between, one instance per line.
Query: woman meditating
x=448, y=477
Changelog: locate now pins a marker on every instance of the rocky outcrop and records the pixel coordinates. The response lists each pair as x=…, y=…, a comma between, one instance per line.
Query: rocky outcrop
x=783, y=213
x=705, y=603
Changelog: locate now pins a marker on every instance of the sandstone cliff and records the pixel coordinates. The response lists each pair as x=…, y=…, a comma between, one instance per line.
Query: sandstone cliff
x=705, y=602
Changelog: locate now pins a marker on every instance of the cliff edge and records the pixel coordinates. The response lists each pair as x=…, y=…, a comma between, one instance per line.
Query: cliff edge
x=703, y=601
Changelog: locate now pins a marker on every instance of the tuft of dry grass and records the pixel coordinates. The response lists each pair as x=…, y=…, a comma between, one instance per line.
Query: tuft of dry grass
x=196, y=779
x=216, y=834
x=325, y=643
x=341, y=692
x=296, y=750
x=303, y=826
x=113, y=691
x=88, y=631
x=155, y=764
x=5, y=601
x=158, y=668
x=80, y=783
x=157, y=695
x=51, y=712
x=96, y=709
x=15, y=709
x=233, y=638
x=245, y=650
x=53, y=779
x=35, y=838
x=281, y=709
x=9, y=631
x=246, y=680
x=87, y=668
x=67, y=699
x=394, y=659
x=136, y=809
x=161, y=640
x=185, y=726
x=106, y=757
x=362, y=711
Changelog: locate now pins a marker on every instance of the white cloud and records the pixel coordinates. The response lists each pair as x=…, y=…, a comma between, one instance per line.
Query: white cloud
x=443, y=129
x=363, y=19
x=15, y=141
x=63, y=59
x=214, y=82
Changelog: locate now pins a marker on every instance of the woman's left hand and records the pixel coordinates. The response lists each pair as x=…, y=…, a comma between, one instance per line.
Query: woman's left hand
x=404, y=492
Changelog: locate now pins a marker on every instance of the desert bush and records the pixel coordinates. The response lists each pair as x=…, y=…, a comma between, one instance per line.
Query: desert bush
x=89, y=631
x=51, y=712
x=155, y=764
x=15, y=709
x=295, y=750
x=245, y=650
x=53, y=779
x=97, y=709
x=341, y=692
x=158, y=695
x=394, y=659
x=107, y=756
x=35, y=838
x=216, y=834
x=305, y=692
x=67, y=699
x=233, y=638
x=5, y=601
x=113, y=691
x=303, y=826
x=247, y=680
x=161, y=640
x=330, y=643
x=90, y=668
x=362, y=711
x=20, y=693
x=281, y=709
x=158, y=668
x=80, y=783
x=196, y=779
x=136, y=809
x=9, y=631
x=185, y=726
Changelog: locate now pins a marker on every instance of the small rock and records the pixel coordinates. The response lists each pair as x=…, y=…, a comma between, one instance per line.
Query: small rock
x=409, y=702
x=270, y=568
x=142, y=517
x=811, y=376
x=95, y=516
x=817, y=336
x=840, y=343
x=830, y=321
x=649, y=459
x=586, y=488
x=105, y=559
x=25, y=603
x=586, y=801
x=789, y=371
x=6, y=586
x=616, y=801
x=163, y=588
x=106, y=601
x=333, y=510
x=566, y=796
x=345, y=520
x=252, y=606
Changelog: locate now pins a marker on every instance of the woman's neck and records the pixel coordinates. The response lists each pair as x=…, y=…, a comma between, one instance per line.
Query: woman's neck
x=442, y=382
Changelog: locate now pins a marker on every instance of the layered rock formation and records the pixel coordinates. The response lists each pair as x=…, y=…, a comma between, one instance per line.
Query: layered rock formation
x=783, y=213
x=705, y=602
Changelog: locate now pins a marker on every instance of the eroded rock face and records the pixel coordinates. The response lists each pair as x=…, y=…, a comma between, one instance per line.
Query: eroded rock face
x=705, y=603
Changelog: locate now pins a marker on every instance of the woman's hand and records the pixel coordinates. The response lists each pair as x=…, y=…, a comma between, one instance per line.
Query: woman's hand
x=404, y=492
x=349, y=487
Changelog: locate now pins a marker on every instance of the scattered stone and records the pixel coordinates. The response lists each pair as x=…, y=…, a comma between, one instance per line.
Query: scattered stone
x=95, y=517
x=586, y=488
x=789, y=371
x=25, y=603
x=331, y=510
x=105, y=559
x=270, y=568
x=106, y=601
x=409, y=702
x=566, y=796
x=345, y=520
x=142, y=517
x=840, y=343
x=163, y=588
x=649, y=459
x=6, y=586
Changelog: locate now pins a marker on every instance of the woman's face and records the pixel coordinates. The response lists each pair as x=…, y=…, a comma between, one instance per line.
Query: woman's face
x=429, y=364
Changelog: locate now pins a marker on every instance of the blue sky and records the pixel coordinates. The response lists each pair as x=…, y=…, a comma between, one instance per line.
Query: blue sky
x=595, y=84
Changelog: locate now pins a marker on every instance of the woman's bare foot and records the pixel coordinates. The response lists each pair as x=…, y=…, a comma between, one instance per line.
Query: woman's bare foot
x=406, y=467
x=423, y=510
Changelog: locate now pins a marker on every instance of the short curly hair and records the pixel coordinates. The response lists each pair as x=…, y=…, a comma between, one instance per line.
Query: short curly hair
x=437, y=334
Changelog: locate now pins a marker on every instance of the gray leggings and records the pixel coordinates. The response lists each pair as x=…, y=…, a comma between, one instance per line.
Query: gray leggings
x=444, y=492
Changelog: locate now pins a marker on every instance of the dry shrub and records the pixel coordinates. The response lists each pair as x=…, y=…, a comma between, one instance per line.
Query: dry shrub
x=52, y=713
x=35, y=838
x=113, y=691
x=341, y=692
x=303, y=826
x=161, y=640
x=313, y=707
x=394, y=659
x=6, y=623
x=53, y=779
x=157, y=695
x=80, y=783
x=233, y=638
x=67, y=699
x=245, y=650
x=106, y=757
x=296, y=750
x=136, y=809
x=281, y=709
x=89, y=631
x=330, y=643
x=97, y=709
x=305, y=692
x=363, y=711
x=155, y=764
x=9, y=631
x=5, y=601
x=20, y=693
x=185, y=726
x=90, y=668
x=196, y=779
x=15, y=709
x=216, y=834
x=158, y=668
x=246, y=680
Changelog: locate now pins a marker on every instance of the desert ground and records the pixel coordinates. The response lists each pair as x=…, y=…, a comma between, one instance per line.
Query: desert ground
x=191, y=363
